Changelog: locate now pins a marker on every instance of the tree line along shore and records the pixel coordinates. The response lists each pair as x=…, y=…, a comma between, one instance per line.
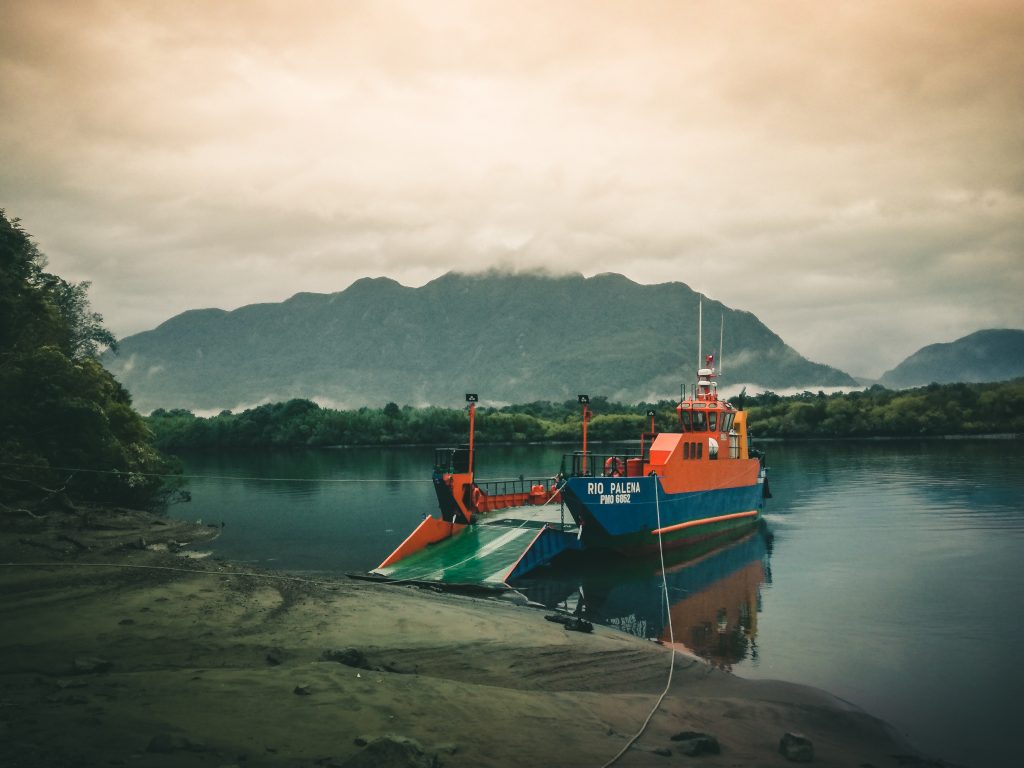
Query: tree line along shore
x=935, y=410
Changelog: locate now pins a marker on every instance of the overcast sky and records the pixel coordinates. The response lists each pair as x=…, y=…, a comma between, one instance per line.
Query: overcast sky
x=850, y=172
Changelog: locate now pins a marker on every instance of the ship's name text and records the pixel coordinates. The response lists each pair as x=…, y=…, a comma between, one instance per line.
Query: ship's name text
x=614, y=492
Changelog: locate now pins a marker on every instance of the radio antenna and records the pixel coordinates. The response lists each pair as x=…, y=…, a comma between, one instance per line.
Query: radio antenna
x=721, y=341
x=700, y=332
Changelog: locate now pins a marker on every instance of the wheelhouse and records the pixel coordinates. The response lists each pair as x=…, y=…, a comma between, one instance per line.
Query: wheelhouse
x=716, y=417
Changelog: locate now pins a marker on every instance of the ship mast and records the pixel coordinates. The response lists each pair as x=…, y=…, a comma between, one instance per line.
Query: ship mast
x=700, y=332
x=721, y=343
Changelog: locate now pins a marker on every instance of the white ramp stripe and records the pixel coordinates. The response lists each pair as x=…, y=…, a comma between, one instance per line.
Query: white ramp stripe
x=498, y=577
x=501, y=541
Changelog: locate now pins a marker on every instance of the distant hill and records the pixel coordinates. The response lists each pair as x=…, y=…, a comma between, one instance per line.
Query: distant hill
x=992, y=355
x=508, y=337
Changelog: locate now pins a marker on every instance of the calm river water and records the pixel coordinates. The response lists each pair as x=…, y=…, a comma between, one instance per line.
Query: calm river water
x=889, y=573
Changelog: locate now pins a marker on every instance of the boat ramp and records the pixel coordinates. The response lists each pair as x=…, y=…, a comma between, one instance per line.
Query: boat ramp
x=486, y=554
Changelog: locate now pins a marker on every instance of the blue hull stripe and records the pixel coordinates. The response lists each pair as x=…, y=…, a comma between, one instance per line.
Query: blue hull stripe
x=624, y=506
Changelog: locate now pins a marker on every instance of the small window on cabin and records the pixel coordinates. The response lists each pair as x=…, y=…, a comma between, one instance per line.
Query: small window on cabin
x=686, y=450
x=700, y=423
x=700, y=450
x=713, y=421
x=684, y=420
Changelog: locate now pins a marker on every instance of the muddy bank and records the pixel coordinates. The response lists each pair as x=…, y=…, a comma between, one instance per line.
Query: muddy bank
x=116, y=650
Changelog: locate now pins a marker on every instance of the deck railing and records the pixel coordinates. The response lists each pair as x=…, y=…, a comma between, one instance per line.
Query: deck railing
x=515, y=485
x=590, y=464
x=452, y=460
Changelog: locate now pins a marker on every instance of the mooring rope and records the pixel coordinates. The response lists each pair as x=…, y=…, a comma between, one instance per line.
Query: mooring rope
x=671, y=638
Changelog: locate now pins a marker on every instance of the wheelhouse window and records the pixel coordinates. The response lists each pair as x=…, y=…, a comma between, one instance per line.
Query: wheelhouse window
x=684, y=420
x=700, y=423
x=713, y=421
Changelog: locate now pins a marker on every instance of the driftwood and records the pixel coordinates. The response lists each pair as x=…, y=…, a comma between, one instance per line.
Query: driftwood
x=50, y=497
x=43, y=488
x=28, y=512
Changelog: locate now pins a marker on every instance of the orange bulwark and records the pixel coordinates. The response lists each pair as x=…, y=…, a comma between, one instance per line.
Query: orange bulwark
x=430, y=531
x=538, y=495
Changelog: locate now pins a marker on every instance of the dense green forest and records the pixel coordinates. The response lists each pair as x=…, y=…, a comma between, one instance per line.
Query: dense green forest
x=304, y=423
x=938, y=409
x=68, y=432
x=951, y=409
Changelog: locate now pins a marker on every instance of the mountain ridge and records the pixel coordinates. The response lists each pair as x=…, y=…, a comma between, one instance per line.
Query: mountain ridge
x=993, y=354
x=514, y=337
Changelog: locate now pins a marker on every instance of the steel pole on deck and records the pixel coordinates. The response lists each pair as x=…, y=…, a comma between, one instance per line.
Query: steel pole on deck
x=471, y=399
x=584, y=400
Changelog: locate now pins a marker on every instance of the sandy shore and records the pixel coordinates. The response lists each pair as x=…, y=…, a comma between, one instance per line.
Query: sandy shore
x=115, y=650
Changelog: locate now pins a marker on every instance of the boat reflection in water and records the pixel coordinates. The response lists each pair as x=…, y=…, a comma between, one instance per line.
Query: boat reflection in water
x=714, y=595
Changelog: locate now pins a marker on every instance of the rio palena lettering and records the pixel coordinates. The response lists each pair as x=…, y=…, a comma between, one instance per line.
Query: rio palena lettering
x=615, y=491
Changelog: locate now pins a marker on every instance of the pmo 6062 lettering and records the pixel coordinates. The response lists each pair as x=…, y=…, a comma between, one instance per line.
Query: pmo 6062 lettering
x=613, y=491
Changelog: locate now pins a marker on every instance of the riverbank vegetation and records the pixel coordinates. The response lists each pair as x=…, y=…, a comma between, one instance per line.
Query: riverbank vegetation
x=68, y=432
x=303, y=423
x=951, y=409
x=931, y=411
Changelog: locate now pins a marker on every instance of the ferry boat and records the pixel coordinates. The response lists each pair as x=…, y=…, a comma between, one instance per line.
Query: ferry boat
x=681, y=488
x=700, y=484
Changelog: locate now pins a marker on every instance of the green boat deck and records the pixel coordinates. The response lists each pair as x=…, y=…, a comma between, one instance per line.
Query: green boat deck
x=488, y=553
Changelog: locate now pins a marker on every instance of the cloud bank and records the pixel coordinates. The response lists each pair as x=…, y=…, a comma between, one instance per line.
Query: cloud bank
x=852, y=173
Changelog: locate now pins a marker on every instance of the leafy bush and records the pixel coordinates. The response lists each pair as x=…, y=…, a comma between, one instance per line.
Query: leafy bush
x=68, y=431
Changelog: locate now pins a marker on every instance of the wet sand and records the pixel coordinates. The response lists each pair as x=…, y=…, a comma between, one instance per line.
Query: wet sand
x=117, y=650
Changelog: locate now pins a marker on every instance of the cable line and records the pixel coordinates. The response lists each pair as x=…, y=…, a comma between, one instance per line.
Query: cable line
x=671, y=638
x=222, y=477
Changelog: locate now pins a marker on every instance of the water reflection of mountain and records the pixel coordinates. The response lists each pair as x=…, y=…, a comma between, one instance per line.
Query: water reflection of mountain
x=714, y=596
